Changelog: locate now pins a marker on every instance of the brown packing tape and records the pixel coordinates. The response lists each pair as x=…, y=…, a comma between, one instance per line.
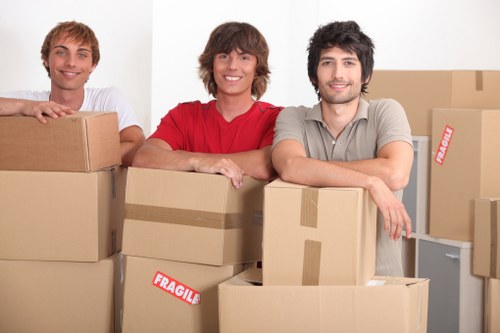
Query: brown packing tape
x=311, y=265
x=309, y=208
x=493, y=238
x=479, y=80
x=191, y=217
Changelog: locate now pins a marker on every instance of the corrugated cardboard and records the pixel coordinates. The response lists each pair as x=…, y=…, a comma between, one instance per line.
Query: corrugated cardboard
x=61, y=216
x=192, y=217
x=398, y=306
x=492, y=306
x=57, y=297
x=465, y=161
x=486, y=251
x=421, y=91
x=84, y=141
x=149, y=309
x=318, y=236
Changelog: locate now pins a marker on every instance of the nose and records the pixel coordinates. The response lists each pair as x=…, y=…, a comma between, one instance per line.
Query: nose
x=70, y=60
x=232, y=62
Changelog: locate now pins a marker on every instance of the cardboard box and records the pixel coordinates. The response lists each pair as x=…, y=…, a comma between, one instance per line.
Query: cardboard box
x=61, y=216
x=318, y=236
x=492, y=306
x=400, y=305
x=192, y=217
x=57, y=297
x=465, y=164
x=84, y=141
x=170, y=296
x=421, y=91
x=486, y=251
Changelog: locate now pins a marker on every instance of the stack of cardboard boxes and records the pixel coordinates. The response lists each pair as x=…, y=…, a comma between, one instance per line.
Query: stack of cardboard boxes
x=184, y=233
x=318, y=270
x=61, y=211
x=459, y=111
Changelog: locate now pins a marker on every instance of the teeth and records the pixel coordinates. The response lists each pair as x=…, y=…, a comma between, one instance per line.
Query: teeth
x=232, y=78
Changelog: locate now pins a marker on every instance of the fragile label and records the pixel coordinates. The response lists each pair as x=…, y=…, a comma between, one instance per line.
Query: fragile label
x=444, y=145
x=176, y=288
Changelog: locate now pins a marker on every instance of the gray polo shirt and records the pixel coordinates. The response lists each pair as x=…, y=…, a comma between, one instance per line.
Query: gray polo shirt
x=376, y=123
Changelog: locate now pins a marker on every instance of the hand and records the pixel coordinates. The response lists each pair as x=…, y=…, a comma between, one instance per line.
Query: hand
x=393, y=210
x=222, y=165
x=52, y=109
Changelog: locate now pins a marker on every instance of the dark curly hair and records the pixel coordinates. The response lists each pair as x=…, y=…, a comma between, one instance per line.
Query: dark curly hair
x=347, y=36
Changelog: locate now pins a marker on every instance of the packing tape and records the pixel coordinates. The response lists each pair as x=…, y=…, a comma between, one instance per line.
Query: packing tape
x=311, y=265
x=309, y=208
x=479, y=80
x=493, y=238
x=192, y=217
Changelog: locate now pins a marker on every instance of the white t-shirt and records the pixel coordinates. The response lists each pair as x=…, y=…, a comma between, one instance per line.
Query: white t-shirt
x=95, y=99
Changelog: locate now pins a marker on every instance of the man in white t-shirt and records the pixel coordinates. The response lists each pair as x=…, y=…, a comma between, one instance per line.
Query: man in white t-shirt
x=70, y=53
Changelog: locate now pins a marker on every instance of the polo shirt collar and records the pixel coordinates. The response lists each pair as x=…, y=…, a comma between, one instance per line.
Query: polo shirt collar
x=315, y=113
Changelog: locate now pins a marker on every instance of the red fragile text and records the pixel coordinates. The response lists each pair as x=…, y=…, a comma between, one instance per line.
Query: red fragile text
x=176, y=288
x=443, y=145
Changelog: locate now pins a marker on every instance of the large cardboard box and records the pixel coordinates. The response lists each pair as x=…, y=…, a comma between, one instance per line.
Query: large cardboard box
x=421, y=91
x=192, y=217
x=465, y=164
x=57, y=297
x=399, y=305
x=84, y=141
x=170, y=296
x=486, y=251
x=492, y=306
x=318, y=236
x=61, y=216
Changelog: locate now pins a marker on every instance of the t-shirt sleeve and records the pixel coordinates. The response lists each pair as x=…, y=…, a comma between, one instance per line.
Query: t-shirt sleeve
x=393, y=123
x=172, y=128
x=117, y=101
x=268, y=131
x=289, y=126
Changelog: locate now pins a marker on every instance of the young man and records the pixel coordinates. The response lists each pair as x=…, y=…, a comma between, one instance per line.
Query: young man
x=231, y=135
x=70, y=52
x=345, y=140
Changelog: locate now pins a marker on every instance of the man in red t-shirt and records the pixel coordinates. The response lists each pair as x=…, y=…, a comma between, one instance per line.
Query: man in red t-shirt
x=231, y=135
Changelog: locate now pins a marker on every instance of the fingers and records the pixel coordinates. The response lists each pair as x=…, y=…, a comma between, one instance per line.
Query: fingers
x=397, y=222
x=50, y=108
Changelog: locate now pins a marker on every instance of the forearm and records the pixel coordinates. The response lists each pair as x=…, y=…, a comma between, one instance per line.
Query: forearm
x=255, y=163
x=379, y=167
x=313, y=172
x=11, y=106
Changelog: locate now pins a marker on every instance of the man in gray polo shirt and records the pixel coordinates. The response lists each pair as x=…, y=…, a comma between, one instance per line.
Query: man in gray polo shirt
x=347, y=141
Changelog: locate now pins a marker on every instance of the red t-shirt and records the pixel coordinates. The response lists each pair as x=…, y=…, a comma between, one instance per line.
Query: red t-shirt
x=200, y=128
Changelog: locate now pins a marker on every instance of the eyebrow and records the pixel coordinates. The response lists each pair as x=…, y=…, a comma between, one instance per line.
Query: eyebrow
x=66, y=48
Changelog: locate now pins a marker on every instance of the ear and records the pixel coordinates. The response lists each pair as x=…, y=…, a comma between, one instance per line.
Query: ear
x=92, y=68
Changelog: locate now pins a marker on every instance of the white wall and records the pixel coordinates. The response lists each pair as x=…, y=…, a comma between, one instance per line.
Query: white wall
x=150, y=47
x=123, y=28
x=408, y=34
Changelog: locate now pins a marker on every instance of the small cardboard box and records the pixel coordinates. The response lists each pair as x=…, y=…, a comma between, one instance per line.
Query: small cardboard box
x=465, y=161
x=420, y=91
x=84, y=141
x=492, y=306
x=192, y=217
x=170, y=296
x=486, y=251
x=318, y=236
x=399, y=305
x=61, y=216
x=57, y=297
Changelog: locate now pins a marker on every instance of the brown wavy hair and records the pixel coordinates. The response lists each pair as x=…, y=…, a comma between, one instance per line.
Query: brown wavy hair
x=231, y=36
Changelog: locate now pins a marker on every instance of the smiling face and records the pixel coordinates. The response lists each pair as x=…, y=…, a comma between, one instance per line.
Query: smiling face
x=234, y=73
x=70, y=64
x=339, y=76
